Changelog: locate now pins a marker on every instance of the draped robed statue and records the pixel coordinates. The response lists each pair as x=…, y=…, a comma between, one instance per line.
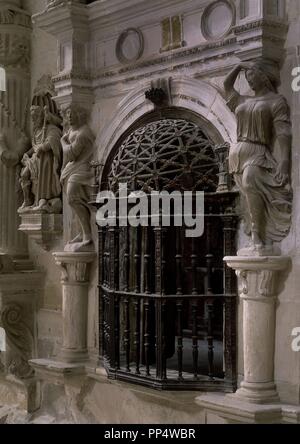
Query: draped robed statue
x=77, y=174
x=261, y=172
x=41, y=165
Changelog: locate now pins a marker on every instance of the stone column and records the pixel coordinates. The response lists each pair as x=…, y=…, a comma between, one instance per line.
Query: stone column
x=75, y=280
x=15, y=29
x=257, y=287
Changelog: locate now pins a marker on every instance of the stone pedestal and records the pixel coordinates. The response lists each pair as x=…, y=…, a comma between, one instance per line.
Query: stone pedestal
x=258, y=285
x=42, y=228
x=75, y=281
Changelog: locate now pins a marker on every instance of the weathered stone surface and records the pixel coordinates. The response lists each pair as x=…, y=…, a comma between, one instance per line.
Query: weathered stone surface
x=87, y=72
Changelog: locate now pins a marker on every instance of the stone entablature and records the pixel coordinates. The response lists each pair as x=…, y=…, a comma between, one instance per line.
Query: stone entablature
x=89, y=37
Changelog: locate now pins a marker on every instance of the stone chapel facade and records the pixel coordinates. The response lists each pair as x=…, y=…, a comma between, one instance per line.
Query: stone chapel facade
x=140, y=324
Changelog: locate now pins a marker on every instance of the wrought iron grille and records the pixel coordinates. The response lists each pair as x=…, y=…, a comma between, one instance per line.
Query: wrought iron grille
x=168, y=303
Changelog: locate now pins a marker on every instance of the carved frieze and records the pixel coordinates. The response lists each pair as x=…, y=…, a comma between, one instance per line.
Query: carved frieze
x=12, y=16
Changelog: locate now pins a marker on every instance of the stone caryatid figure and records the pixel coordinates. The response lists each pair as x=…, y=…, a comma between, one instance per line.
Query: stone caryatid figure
x=262, y=176
x=77, y=174
x=40, y=175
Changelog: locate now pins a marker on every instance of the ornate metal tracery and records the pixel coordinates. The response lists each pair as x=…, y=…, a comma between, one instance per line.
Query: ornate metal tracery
x=166, y=154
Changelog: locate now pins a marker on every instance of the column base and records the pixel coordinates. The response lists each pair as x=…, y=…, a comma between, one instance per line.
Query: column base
x=230, y=409
x=56, y=372
x=74, y=356
x=257, y=393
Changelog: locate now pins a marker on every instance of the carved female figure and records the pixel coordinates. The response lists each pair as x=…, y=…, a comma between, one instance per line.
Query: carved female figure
x=77, y=174
x=262, y=178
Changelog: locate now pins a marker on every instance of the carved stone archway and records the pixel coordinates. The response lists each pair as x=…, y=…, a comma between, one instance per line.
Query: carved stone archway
x=195, y=99
x=146, y=272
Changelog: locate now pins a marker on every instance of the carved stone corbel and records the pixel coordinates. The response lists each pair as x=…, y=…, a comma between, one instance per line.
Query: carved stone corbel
x=160, y=92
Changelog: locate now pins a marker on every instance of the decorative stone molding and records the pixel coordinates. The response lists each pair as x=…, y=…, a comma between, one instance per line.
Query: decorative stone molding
x=56, y=372
x=44, y=229
x=221, y=14
x=192, y=94
x=68, y=22
x=257, y=288
x=72, y=23
x=75, y=269
x=135, y=44
x=262, y=38
x=11, y=15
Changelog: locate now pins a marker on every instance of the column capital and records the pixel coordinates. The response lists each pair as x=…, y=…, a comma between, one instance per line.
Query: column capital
x=257, y=275
x=74, y=266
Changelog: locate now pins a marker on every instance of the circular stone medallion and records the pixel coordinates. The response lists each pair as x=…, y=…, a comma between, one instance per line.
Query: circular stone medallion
x=130, y=46
x=217, y=20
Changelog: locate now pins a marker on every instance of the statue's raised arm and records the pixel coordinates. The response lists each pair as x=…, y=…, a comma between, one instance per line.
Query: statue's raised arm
x=263, y=179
